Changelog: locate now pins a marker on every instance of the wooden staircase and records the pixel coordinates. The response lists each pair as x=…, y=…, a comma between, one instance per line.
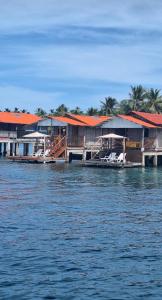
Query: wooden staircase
x=58, y=148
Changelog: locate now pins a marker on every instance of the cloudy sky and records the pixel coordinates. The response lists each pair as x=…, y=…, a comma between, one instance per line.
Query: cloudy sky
x=77, y=51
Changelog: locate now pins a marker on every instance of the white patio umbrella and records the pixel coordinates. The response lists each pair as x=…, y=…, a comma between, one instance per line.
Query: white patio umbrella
x=112, y=136
x=36, y=135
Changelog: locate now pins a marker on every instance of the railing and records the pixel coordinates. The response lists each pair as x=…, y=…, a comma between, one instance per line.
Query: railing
x=149, y=144
x=8, y=134
x=76, y=141
x=96, y=148
x=93, y=145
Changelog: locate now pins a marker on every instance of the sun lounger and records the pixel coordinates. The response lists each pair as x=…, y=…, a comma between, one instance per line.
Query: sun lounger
x=38, y=153
x=46, y=153
x=109, y=158
x=120, y=158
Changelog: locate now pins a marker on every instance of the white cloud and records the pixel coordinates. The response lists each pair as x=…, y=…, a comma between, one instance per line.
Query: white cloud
x=123, y=63
x=131, y=64
x=12, y=96
x=23, y=98
x=39, y=15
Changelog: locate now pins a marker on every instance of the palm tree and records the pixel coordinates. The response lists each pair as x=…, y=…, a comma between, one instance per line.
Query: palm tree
x=76, y=111
x=125, y=107
x=91, y=111
x=154, y=103
x=137, y=95
x=40, y=112
x=52, y=111
x=24, y=111
x=16, y=110
x=108, y=105
x=61, y=110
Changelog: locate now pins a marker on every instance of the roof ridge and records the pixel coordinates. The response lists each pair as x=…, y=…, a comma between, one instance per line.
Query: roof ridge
x=155, y=119
x=73, y=116
x=138, y=121
x=88, y=120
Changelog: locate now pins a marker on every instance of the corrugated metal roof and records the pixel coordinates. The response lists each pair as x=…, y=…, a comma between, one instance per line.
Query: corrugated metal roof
x=153, y=118
x=80, y=120
x=137, y=121
x=18, y=118
x=89, y=120
x=67, y=120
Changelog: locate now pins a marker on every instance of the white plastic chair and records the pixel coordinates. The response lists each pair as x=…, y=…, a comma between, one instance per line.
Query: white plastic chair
x=109, y=158
x=38, y=153
x=46, y=153
x=121, y=158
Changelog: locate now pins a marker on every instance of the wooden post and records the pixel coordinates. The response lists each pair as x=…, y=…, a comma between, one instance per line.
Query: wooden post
x=84, y=141
x=44, y=144
x=66, y=153
x=17, y=149
x=4, y=149
x=155, y=161
x=157, y=144
x=143, y=160
x=124, y=150
x=84, y=155
x=143, y=140
x=8, y=149
x=67, y=134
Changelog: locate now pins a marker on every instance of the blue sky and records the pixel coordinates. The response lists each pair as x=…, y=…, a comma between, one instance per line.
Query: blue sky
x=77, y=52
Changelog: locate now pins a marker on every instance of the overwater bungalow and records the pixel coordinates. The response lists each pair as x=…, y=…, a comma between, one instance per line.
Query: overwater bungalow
x=143, y=132
x=12, y=129
x=81, y=136
x=73, y=136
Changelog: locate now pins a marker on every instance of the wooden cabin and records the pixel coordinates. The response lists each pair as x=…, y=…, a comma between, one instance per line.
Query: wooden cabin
x=144, y=136
x=73, y=136
x=12, y=129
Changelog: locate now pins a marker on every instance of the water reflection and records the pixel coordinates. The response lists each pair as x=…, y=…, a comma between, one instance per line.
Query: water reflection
x=74, y=233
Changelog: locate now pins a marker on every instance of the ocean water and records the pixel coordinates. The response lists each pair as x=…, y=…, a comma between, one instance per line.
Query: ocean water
x=68, y=232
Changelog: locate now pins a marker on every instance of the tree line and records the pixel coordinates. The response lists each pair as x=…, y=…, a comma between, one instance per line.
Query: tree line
x=140, y=99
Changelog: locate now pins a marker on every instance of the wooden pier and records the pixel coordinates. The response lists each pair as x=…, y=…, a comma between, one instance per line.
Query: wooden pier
x=113, y=165
x=32, y=159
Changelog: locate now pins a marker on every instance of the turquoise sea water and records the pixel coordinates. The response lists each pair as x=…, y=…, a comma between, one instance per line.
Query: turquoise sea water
x=68, y=232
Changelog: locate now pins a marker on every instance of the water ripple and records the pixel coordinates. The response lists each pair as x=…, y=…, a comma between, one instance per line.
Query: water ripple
x=72, y=233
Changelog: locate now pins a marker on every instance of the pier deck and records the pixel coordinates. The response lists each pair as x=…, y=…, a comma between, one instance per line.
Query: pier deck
x=102, y=164
x=32, y=159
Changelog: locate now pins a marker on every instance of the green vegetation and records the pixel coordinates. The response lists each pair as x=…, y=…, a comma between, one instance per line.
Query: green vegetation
x=140, y=99
x=108, y=106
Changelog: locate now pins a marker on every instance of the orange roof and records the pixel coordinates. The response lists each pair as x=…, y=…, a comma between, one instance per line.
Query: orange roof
x=18, y=118
x=137, y=121
x=67, y=120
x=80, y=120
x=153, y=118
x=89, y=120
